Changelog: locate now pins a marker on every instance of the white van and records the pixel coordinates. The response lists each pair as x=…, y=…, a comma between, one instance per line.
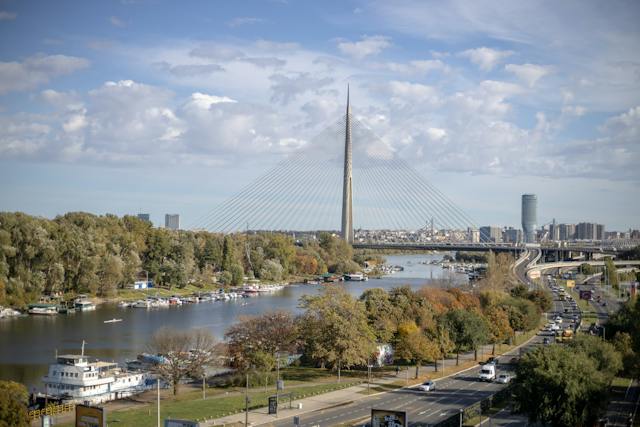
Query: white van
x=487, y=373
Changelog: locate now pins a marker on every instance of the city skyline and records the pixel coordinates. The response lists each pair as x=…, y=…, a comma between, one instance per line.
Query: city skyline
x=136, y=105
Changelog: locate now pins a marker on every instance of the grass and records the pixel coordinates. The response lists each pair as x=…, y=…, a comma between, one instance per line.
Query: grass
x=191, y=406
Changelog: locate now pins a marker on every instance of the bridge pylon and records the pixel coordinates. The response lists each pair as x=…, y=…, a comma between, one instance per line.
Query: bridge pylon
x=347, y=183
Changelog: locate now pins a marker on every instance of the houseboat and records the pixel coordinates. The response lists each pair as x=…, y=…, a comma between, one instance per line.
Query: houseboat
x=356, y=277
x=84, y=305
x=75, y=379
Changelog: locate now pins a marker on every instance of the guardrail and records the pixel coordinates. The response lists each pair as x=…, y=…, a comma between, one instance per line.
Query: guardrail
x=51, y=410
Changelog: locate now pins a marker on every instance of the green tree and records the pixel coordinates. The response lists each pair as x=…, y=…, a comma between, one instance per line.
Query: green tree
x=467, y=329
x=237, y=274
x=13, y=404
x=587, y=269
x=271, y=271
x=382, y=314
x=610, y=274
x=334, y=329
x=228, y=253
x=559, y=386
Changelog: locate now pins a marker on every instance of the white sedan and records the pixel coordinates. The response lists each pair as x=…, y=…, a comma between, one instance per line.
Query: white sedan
x=503, y=378
x=427, y=386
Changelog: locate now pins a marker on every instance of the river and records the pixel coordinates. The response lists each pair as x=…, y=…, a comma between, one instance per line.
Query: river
x=28, y=344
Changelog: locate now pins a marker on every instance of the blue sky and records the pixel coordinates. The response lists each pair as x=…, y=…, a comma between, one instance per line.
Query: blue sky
x=163, y=106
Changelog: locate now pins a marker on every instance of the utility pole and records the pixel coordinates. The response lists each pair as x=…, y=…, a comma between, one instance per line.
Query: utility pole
x=158, y=388
x=277, y=379
x=246, y=402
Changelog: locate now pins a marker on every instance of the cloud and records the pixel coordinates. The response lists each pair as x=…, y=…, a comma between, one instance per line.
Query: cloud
x=286, y=88
x=424, y=66
x=529, y=73
x=117, y=22
x=486, y=58
x=625, y=126
x=367, y=46
x=246, y=20
x=36, y=70
x=7, y=16
x=188, y=70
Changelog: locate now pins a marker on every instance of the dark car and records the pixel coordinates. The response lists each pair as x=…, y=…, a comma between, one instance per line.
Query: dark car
x=546, y=341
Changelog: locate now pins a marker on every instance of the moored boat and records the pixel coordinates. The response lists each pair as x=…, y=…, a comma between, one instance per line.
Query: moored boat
x=43, y=309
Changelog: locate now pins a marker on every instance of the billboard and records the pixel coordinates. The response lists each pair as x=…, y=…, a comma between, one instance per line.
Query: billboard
x=586, y=295
x=388, y=418
x=571, y=283
x=90, y=416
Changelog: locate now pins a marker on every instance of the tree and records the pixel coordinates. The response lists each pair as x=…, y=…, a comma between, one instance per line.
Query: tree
x=604, y=354
x=184, y=353
x=412, y=345
x=237, y=274
x=499, y=326
x=271, y=271
x=13, y=404
x=467, y=330
x=334, y=329
x=560, y=386
x=256, y=342
x=587, y=269
x=610, y=274
x=228, y=253
x=542, y=300
x=382, y=314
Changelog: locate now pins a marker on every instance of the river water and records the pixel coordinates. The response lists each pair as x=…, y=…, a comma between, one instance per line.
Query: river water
x=28, y=344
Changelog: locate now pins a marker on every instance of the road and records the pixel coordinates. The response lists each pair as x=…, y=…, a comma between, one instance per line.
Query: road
x=451, y=394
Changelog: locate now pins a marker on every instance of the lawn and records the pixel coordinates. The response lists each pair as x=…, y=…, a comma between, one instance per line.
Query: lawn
x=193, y=407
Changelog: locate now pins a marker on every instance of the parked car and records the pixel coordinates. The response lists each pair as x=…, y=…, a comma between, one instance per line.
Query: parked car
x=427, y=386
x=503, y=378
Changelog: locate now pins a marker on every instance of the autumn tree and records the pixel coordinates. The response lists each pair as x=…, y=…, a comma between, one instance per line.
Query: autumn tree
x=412, y=345
x=468, y=330
x=13, y=405
x=334, y=329
x=257, y=341
x=184, y=353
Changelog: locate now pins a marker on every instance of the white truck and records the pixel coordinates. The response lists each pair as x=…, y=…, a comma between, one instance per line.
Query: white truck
x=487, y=373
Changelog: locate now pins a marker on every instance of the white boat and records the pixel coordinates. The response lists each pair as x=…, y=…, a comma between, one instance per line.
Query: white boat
x=143, y=303
x=8, y=312
x=114, y=320
x=84, y=305
x=125, y=304
x=357, y=277
x=74, y=379
x=43, y=309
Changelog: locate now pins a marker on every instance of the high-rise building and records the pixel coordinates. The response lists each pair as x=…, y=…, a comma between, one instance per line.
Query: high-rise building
x=491, y=234
x=473, y=235
x=529, y=217
x=512, y=235
x=589, y=231
x=566, y=231
x=144, y=217
x=554, y=231
x=172, y=221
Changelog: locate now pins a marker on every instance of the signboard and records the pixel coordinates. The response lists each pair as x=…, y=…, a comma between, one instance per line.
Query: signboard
x=280, y=384
x=586, y=295
x=180, y=423
x=90, y=416
x=273, y=405
x=388, y=418
x=571, y=283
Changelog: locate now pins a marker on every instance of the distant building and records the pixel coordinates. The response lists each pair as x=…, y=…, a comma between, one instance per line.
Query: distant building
x=473, y=235
x=144, y=217
x=529, y=217
x=554, y=231
x=172, y=221
x=589, y=231
x=512, y=235
x=491, y=234
x=566, y=232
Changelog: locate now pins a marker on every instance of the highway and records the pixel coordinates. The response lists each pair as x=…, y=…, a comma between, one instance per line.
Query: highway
x=451, y=394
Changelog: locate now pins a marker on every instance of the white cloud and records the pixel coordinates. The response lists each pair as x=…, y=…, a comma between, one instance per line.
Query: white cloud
x=626, y=126
x=574, y=110
x=367, y=46
x=204, y=101
x=486, y=58
x=246, y=20
x=117, y=22
x=528, y=73
x=37, y=70
x=436, y=134
x=7, y=16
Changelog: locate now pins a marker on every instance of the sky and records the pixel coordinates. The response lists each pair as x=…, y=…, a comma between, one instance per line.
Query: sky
x=173, y=107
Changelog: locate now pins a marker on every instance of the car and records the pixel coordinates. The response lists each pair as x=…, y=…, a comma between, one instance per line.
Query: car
x=604, y=304
x=546, y=341
x=427, y=386
x=555, y=327
x=503, y=378
x=492, y=361
x=558, y=319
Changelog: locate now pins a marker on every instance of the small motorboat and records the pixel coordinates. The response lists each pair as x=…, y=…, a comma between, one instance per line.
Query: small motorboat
x=114, y=320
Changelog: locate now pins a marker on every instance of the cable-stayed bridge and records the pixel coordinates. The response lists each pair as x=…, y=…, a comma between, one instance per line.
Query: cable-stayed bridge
x=348, y=180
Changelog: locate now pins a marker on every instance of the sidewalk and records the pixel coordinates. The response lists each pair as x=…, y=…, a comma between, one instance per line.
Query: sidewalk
x=346, y=396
